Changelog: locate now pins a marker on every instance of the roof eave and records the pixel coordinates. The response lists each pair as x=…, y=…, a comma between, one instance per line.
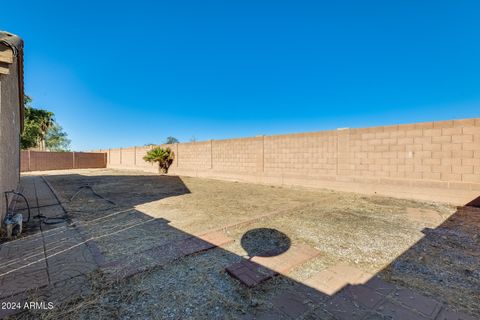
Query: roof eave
x=15, y=43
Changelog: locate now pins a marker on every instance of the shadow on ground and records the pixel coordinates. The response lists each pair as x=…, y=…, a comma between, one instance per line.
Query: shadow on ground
x=115, y=261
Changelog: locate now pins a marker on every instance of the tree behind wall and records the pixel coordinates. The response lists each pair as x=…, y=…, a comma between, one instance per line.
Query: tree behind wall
x=171, y=140
x=41, y=131
x=56, y=139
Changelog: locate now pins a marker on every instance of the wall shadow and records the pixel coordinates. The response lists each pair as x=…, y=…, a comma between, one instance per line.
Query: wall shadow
x=445, y=262
x=124, y=190
x=474, y=203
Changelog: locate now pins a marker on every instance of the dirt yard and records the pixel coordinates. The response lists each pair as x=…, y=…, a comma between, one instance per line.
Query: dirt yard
x=427, y=247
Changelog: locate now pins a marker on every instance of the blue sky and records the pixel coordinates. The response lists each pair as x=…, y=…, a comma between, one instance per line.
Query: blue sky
x=132, y=73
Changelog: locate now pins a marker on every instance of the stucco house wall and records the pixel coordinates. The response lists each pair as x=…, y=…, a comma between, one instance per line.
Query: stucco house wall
x=11, y=107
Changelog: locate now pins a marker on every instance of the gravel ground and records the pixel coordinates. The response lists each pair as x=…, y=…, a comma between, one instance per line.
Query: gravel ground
x=424, y=246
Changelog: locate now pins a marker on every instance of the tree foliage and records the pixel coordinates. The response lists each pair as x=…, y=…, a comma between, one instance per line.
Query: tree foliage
x=41, y=131
x=56, y=139
x=164, y=157
x=171, y=140
x=36, y=124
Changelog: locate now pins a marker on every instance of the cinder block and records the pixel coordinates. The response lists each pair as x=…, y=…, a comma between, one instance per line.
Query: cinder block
x=431, y=175
x=431, y=161
x=451, y=177
x=443, y=124
x=397, y=174
x=414, y=133
x=380, y=148
x=432, y=147
x=413, y=147
x=475, y=161
x=390, y=129
x=441, y=168
x=368, y=136
x=464, y=123
x=414, y=161
x=471, y=130
x=389, y=155
x=451, y=147
x=451, y=131
x=422, y=140
x=413, y=175
x=451, y=161
x=397, y=134
x=397, y=161
x=381, y=161
x=432, y=132
x=462, y=154
x=423, y=154
x=424, y=125
x=471, y=178
x=462, y=169
x=441, y=139
x=469, y=146
x=422, y=168
x=382, y=135
x=460, y=138
x=408, y=140
x=441, y=154
x=389, y=141
x=397, y=147
x=406, y=127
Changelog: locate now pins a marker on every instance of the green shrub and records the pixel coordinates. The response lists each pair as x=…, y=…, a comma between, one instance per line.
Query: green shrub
x=164, y=157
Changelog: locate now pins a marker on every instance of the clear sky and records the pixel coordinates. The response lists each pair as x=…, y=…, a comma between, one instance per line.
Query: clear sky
x=123, y=73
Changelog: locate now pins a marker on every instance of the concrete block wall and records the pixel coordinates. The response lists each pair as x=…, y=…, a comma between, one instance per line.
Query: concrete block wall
x=306, y=154
x=238, y=155
x=87, y=160
x=46, y=160
x=195, y=156
x=447, y=151
x=437, y=161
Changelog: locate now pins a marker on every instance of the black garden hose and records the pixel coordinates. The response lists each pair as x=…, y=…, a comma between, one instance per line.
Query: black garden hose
x=24, y=198
x=113, y=204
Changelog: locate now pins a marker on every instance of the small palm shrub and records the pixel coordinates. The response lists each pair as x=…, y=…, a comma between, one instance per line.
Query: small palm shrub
x=164, y=157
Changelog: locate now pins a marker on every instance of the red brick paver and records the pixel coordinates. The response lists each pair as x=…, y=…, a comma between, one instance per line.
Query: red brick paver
x=161, y=255
x=291, y=304
x=333, y=279
x=258, y=269
x=288, y=260
x=414, y=301
x=391, y=310
x=342, y=308
x=216, y=238
x=446, y=314
x=250, y=273
x=343, y=292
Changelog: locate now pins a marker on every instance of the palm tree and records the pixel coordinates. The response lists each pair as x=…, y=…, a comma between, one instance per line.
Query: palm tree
x=37, y=123
x=164, y=157
x=45, y=122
